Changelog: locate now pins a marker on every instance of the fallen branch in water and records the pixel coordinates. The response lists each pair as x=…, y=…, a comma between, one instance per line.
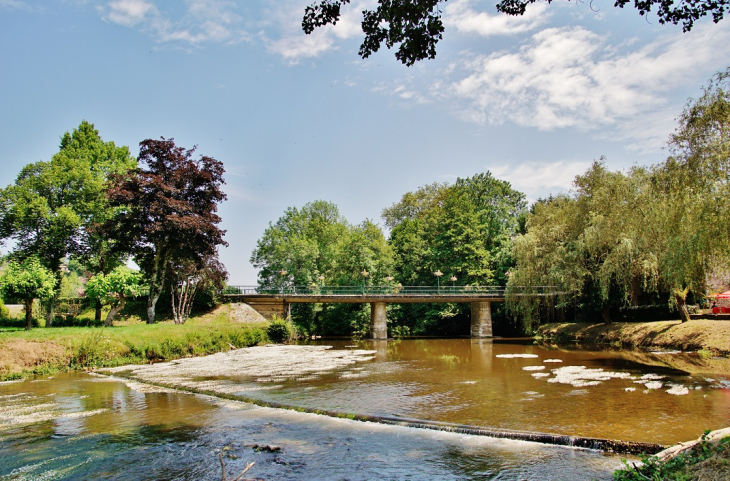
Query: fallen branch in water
x=223, y=469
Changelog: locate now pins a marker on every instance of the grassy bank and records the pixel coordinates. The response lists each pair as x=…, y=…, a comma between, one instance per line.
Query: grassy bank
x=44, y=351
x=708, y=336
x=705, y=459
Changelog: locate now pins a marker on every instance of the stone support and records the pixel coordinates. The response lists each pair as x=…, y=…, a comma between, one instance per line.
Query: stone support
x=481, y=319
x=378, y=321
x=270, y=308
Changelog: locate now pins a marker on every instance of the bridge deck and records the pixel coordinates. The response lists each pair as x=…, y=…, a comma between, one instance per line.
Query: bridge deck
x=389, y=294
x=362, y=298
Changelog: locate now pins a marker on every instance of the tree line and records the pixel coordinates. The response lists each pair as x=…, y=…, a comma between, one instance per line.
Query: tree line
x=98, y=205
x=649, y=236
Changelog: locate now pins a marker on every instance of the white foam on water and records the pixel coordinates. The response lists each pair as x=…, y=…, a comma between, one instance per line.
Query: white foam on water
x=678, y=390
x=533, y=368
x=553, y=360
x=540, y=374
x=581, y=376
x=654, y=384
x=629, y=389
x=652, y=377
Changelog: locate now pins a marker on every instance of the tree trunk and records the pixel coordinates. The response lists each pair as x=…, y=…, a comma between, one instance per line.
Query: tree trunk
x=635, y=291
x=157, y=277
x=113, y=312
x=682, y=306
x=606, y=314
x=97, y=311
x=28, y=314
x=50, y=312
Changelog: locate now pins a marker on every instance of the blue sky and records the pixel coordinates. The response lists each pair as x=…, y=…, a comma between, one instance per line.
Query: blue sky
x=295, y=118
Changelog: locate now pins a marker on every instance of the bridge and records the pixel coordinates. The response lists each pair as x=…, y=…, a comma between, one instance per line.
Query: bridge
x=270, y=302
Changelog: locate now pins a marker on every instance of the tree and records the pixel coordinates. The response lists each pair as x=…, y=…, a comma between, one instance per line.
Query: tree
x=692, y=187
x=187, y=278
x=416, y=25
x=166, y=211
x=305, y=243
x=314, y=245
x=114, y=289
x=650, y=233
x=27, y=280
x=463, y=230
x=48, y=211
x=593, y=246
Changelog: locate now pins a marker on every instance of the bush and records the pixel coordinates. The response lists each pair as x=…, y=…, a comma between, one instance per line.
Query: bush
x=4, y=311
x=685, y=466
x=278, y=331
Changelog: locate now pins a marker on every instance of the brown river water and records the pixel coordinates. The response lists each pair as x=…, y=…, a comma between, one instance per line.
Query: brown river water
x=77, y=426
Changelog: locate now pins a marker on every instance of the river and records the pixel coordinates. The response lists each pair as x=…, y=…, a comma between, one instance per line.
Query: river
x=79, y=426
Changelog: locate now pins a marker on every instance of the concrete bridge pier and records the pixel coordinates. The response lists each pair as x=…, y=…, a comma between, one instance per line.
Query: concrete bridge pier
x=378, y=321
x=481, y=319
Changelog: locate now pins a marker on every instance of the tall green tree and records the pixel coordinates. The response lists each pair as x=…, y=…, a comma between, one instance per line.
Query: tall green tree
x=27, y=280
x=47, y=212
x=166, y=211
x=315, y=245
x=462, y=230
x=305, y=243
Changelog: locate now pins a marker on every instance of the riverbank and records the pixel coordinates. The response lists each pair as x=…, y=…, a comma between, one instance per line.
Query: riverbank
x=45, y=351
x=711, y=338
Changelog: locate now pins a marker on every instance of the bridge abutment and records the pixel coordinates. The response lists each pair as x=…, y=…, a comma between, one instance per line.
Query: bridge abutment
x=378, y=321
x=481, y=319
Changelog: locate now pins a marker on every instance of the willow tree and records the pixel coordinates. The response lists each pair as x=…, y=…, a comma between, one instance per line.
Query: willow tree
x=649, y=231
x=693, y=187
x=594, y=246
x=166, y=211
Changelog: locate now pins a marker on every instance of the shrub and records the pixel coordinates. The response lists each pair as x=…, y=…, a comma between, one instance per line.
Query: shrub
x=680, y=467
x=4, y=311
x=278, y=331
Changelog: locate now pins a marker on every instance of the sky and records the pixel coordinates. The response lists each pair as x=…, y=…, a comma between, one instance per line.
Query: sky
x=296, y=118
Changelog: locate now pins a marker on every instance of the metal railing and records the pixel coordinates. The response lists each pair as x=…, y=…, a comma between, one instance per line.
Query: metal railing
x=494, y=291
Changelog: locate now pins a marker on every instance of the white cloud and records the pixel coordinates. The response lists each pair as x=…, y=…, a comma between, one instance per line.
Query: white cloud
x=572, y=77
x=461, y=16
x=540, y=179
x=130, y=12
x=293, y=45
x=202, y=21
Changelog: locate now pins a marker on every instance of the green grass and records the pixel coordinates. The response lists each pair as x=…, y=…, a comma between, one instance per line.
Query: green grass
x=135, y=343
x=703, y=461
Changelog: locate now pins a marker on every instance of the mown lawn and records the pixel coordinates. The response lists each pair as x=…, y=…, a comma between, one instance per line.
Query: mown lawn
x=47, y=350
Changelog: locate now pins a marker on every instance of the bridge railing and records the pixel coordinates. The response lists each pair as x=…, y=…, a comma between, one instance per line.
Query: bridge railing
x=495, y=291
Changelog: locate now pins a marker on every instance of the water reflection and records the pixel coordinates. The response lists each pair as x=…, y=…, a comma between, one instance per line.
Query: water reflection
x=479, y=382
x=103, y=430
